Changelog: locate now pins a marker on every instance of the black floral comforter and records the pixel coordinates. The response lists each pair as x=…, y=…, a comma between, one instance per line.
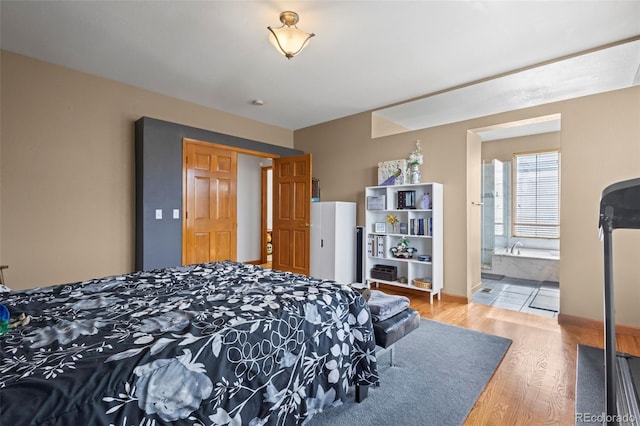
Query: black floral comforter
x=212, y=344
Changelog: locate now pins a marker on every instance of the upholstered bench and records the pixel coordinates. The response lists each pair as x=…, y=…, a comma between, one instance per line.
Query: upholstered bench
x=387, y=333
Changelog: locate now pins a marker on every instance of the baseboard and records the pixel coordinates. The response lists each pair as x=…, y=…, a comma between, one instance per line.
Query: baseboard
x=627, y=329
x=564, y=319
x=253, y=262
x=455, y=298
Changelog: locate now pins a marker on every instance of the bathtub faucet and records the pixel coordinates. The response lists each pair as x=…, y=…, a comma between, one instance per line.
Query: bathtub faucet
x=515, y=246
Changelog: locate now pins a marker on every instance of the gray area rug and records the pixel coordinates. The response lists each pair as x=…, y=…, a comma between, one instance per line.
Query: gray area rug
x=439, y=372
x=589, y=383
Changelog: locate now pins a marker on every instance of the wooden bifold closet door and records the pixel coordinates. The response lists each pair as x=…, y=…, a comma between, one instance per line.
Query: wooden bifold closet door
x=210, y=207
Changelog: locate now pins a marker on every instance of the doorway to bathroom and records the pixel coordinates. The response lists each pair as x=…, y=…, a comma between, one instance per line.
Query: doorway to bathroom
x=520, y=232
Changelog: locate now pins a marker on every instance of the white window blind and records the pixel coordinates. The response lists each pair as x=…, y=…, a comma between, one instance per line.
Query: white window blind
x=537, y=195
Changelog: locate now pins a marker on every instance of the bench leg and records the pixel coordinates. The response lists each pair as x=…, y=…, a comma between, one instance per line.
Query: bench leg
x=380, y=350
x=361, y=392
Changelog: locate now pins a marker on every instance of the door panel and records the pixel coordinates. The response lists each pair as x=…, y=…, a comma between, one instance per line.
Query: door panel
x=301, y=204
x=292, y=213
x=223, y=245
x=302, y=258
x=224, y=211
x=284, y=203
x=202, y=200
x=202, y=161
x=282, y=256
x=209, y=220
x=202, y=247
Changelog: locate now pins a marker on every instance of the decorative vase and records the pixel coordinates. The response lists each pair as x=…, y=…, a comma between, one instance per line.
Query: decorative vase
x=415, y=174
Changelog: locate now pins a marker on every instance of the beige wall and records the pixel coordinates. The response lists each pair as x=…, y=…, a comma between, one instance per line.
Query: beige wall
x=67, y=168
x=600, y=141
x=600, y=146
x=504, y=149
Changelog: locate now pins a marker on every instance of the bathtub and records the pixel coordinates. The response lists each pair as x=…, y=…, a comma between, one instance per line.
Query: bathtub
x=530, y=253
x=530, y=264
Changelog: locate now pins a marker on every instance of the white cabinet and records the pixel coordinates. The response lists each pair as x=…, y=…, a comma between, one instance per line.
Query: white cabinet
x=333, y=227
x=421, y=228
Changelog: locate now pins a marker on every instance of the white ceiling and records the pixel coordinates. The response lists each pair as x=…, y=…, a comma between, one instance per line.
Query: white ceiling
x=366, y=54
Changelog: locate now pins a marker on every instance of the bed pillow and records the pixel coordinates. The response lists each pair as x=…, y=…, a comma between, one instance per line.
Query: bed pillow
x=4, y=289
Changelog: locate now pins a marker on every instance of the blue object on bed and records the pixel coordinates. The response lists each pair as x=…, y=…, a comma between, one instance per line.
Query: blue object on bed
x=4, y=313
x=220, y=343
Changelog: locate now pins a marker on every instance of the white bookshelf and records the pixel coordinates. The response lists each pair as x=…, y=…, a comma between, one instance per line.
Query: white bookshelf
x=427, y=240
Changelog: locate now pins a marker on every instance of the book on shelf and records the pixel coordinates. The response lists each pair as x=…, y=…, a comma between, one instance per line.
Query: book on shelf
x=420, y=226
x=375, y=245
x=380, y=246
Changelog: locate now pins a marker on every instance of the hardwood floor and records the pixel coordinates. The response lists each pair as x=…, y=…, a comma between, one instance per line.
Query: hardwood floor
x=535, y=383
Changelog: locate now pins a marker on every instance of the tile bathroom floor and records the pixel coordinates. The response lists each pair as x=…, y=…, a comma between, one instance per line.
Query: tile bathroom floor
x=533, y=297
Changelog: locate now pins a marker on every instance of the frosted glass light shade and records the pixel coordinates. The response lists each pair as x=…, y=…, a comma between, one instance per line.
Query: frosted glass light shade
x=288, y=39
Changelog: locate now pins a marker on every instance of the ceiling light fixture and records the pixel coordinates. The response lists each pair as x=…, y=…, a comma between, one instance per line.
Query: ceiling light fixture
x=288, y=39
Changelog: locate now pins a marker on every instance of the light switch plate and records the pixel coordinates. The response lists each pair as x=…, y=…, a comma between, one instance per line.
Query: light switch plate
x=158, y=213
x=176, y=213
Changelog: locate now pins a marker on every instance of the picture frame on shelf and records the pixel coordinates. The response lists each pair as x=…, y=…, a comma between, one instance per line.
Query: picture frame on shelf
x=380, y=227
x=392, y=172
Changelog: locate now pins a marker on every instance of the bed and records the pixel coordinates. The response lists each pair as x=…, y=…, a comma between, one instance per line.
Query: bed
x=210, y=344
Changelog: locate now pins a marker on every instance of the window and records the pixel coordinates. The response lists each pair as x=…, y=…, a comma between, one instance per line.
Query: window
x=536, y=195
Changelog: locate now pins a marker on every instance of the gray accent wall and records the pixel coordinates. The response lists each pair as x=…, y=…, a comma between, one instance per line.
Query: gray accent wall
x=158, y=147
